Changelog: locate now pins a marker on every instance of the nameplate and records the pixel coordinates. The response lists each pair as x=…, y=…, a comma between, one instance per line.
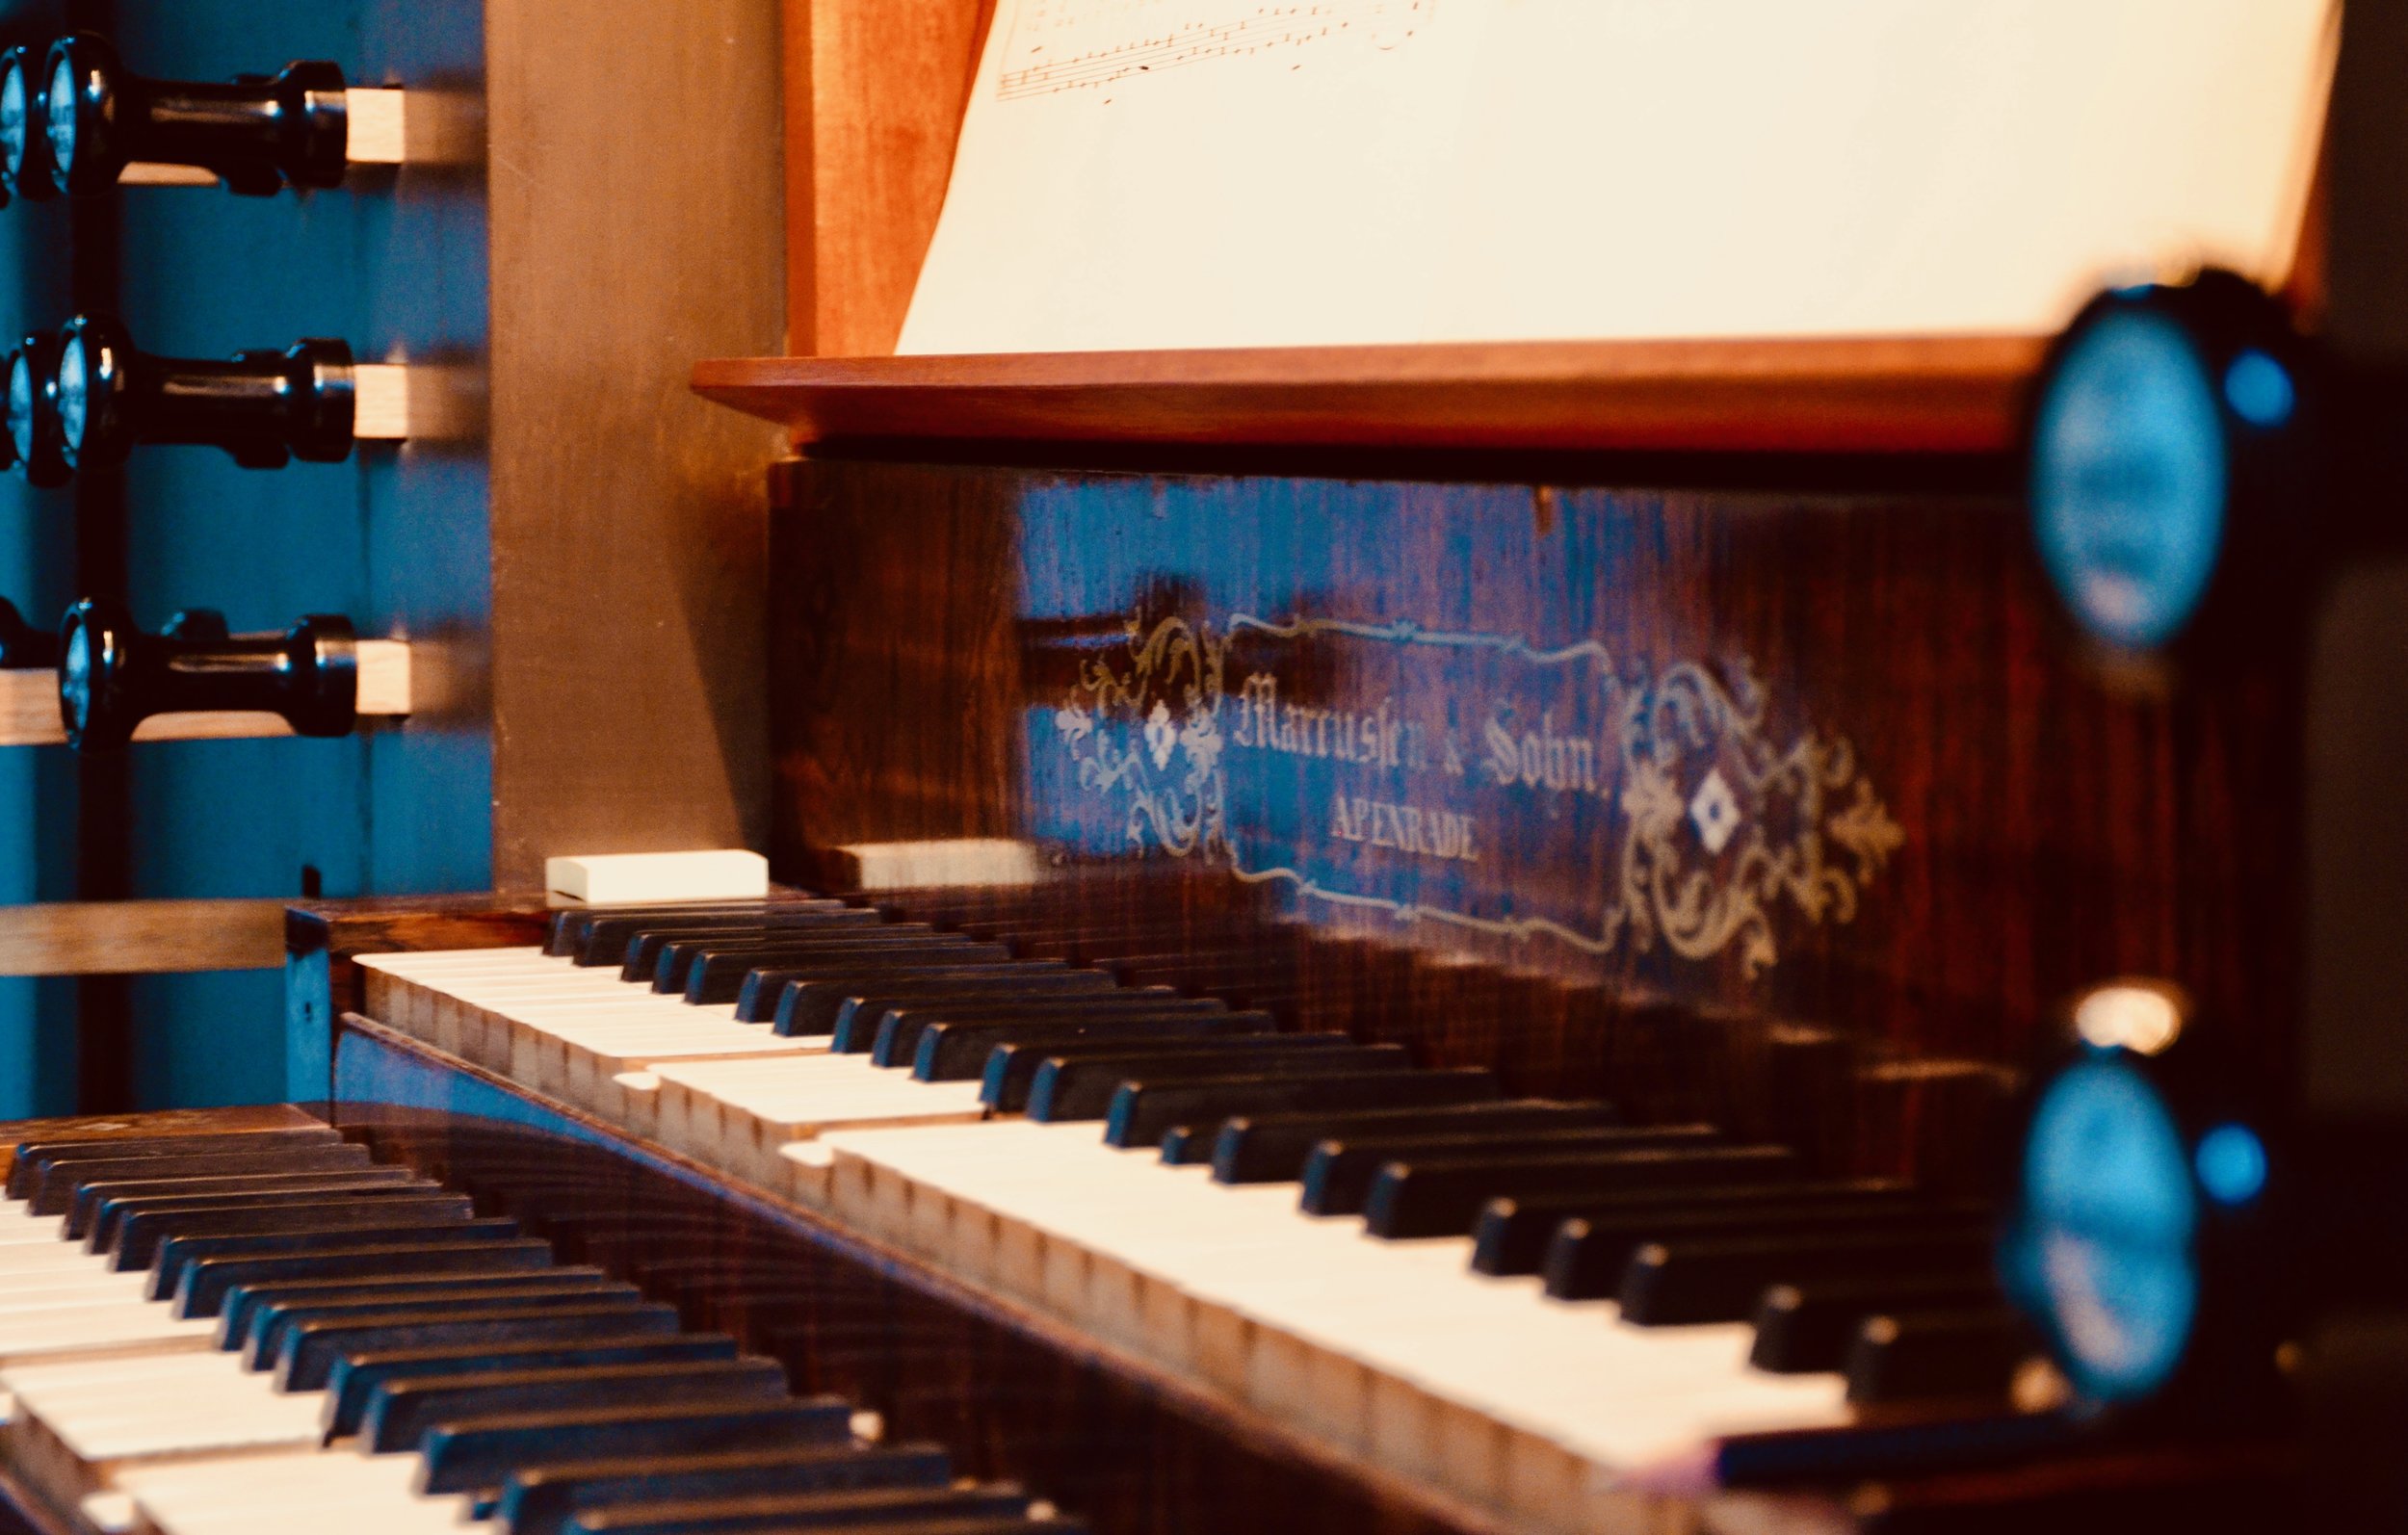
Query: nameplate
x=1534, y=787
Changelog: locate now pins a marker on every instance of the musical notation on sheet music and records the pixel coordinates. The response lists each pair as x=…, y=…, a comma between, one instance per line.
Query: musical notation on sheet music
x=1060, y=45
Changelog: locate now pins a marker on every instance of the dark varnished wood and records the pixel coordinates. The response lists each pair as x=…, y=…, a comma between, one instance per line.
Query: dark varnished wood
x=241, y=1119
x=2057, y=826
x=1903, y=394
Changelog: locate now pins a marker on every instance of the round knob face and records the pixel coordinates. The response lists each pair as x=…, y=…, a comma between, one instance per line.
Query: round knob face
x=65, y=112
x=75, y=675
x=16, y=117
x=2130, y=478
x=23, y=403
x=75, y=374
x=2104, y=1249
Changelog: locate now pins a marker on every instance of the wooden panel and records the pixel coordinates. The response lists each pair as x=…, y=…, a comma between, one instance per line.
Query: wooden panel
x=128, y=937
x=874, y=98
x=1954, y=395
x=1939, y=822
x=636, y=226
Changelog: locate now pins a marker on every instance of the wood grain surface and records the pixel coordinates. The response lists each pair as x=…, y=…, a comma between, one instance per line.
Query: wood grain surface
x=1921, y=395
x=636, y=225
x=140, y=937
x=875, y=94
x=2054, y=826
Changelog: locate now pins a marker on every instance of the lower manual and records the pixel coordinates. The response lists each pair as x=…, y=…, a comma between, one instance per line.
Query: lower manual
x=266, y=1331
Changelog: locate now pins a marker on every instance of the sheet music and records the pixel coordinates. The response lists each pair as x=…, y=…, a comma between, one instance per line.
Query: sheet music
x=1057, y=45
x=1144, y=173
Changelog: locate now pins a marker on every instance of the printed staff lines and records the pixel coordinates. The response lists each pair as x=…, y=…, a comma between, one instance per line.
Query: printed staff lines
x=1240, y=32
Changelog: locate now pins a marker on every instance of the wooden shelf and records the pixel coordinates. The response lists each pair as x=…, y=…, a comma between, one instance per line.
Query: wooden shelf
x=1907, y=395
x=29, y=705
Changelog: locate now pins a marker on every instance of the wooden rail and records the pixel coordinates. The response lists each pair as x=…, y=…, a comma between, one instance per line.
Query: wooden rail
x=1957, y=394
x=128, y=937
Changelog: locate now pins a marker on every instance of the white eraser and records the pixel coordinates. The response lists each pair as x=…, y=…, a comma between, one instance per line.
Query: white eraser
x=619, y=880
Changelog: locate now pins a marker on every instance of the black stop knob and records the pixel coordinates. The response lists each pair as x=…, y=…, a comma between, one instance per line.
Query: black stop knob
x=112, y=676
x=257, y=134
x=35, y=446
x=2175, y=456
x=87, y=396
x=24, y=146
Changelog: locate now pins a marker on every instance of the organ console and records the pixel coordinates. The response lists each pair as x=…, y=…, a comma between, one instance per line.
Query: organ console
x=87, y=396
x=1554, y=936
x=75, y=120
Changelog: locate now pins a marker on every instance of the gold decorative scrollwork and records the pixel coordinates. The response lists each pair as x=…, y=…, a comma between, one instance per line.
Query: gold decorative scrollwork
x=1703, y=900
x=1123, y=732
x=1722, y=829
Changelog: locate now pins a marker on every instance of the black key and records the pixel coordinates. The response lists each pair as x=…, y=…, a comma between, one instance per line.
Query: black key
x=1513, y=1234
x=139, y=1232
x=309, y=1350
x=903, y=1030
x=706, y=971
x=1070, y=1087
x=243, y=1302
x=538, y=1500
x=879, y=1508
x=108, y=1216
x=479, y=1453
x=954, y=1046
x=852, y=1010
x=1339, y=1174
x=206, y=1285
x=1442, y=1198
x=89, y=1196
x=33, y=1157
x=178, y=1253
x=1675, y=1283
x=1143, y=1111
x=53, y=1192
x=1808, y=1327
x=639, y=954
x=646, y=952
x=674, y=960
x=726, y=980
x=1010, y=1071
x=605, y=937
x=812, y=999
x=863, y=1006
x=355, y=1376
x=572, y=927
x=263, y=1339
x=399, y=1412
x=1589, y=1254
x=1913, y=1356
x=1272, y=1148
